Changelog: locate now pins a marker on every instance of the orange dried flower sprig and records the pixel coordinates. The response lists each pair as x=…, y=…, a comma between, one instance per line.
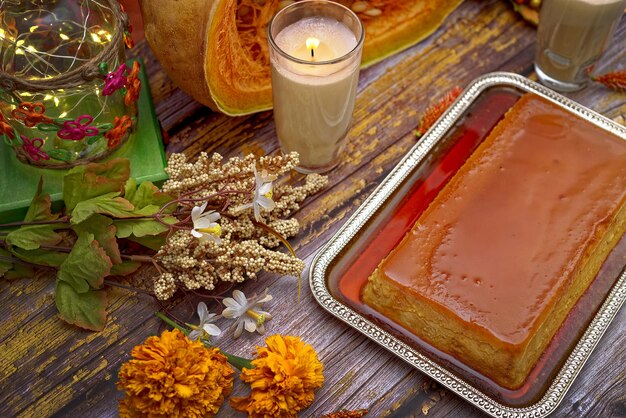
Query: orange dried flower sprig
x=615, y=80
x=347, y=414
x=5, y=128
x=434, y=112
x=31, y=113
x=133, y=85
x=120, y=126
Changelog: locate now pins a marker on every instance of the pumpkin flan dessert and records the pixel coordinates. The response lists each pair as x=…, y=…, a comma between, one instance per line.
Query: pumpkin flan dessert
x=494, y=265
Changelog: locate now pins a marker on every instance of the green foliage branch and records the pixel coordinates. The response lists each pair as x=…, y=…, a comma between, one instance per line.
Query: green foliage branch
x=103, y=206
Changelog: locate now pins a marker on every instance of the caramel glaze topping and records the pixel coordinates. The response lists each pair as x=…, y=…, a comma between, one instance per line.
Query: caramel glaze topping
x=505, y=234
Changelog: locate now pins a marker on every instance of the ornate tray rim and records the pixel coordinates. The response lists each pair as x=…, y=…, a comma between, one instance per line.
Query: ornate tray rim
x=586, y=344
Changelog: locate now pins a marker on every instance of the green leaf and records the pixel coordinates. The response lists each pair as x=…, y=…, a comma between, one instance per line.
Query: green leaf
x=88, y=181
x=86, y=310
x=125, y=268
x=154, y=242
x=147, y=194
x=86, y=265
x=40, y=256
x=103, y=231
x=20, y=271
x=31, y=237
x=5, y=265
x=13, y=270
x=161, y=198
x=108, y=204
x=145, y=211
x=40, y=206
x=142, y=227
x=129, y=189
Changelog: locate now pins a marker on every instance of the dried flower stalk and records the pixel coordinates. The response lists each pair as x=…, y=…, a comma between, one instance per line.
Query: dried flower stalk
x=615, y=80
x=243, y=249
x=347, y=414
x=434, y=112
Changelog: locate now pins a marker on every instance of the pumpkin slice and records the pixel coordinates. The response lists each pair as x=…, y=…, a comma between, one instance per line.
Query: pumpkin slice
x=217, y=51
x=399, y=25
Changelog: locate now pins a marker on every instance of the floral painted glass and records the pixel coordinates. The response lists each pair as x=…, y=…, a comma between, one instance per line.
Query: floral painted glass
x=66, y=95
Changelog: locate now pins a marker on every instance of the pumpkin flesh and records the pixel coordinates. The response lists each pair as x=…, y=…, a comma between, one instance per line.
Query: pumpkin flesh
x=235, y=78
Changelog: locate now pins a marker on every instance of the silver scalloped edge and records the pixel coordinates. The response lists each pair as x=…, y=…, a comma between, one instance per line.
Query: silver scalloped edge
x=579, y=355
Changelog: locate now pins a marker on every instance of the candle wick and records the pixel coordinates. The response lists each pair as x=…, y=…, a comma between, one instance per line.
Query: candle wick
x=312, y=53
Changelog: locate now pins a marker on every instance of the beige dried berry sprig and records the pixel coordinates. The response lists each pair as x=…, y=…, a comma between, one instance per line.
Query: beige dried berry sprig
x=242, y=241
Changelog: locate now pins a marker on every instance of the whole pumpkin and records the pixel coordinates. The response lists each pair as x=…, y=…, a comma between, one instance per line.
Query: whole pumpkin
x=217, y=51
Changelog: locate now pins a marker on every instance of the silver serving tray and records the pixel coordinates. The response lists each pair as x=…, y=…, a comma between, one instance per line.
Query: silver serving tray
x=342, y=238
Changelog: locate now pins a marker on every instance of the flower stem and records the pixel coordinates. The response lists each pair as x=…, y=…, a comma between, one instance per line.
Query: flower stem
x=171, y=323
x=56, y=248
x=139, y=258
x=123, y=286
x=64, y=220
x=236, y=361
x=19, y=261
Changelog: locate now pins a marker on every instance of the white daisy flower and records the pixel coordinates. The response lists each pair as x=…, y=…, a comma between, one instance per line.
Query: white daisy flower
x=205, y=328
x=247, y=313
x=263, y=192
x=205, y=226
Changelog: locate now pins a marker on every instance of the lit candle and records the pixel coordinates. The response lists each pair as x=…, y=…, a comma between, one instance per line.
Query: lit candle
x=315, y=57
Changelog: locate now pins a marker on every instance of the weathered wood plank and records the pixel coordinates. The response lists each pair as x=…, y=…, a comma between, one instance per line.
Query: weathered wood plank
x=49, y=368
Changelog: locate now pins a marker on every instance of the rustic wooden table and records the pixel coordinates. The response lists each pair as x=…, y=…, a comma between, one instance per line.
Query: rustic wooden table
x=49, y=368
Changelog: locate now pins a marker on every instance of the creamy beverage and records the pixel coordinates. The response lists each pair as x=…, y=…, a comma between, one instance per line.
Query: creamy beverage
x=314, y=80
x=571, y=38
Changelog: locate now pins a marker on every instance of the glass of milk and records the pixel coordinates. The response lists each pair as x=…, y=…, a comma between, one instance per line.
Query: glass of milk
x=315, y=54
x=571, y=38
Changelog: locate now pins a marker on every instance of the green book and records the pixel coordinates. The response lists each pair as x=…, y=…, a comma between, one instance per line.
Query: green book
x=18, y=181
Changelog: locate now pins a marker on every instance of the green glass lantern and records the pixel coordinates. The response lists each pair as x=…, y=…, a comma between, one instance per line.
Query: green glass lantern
x=66, y=95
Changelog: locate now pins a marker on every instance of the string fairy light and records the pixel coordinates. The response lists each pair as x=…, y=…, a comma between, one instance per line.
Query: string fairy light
x=47, y=40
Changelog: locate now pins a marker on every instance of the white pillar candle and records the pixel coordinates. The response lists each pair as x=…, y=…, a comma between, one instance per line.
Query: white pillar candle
x=315, y=70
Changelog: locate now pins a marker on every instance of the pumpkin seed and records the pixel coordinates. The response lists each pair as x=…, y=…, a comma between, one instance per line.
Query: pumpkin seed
x=374, y=12
x=359, y=6
x=243, y=10
x=285, y=3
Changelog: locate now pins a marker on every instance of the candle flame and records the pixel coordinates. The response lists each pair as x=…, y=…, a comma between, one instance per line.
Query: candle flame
x=311, y=44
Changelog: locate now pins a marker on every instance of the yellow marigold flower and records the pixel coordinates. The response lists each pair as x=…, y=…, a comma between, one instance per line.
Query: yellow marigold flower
x=283, y=379
x=172, y=376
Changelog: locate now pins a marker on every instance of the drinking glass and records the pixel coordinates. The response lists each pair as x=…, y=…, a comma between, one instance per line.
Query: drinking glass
x=571, y=38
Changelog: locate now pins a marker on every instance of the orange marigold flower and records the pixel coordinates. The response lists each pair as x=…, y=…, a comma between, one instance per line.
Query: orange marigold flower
x=133, y=85
x=172, y=376
x=283, y=379
x=120, y=126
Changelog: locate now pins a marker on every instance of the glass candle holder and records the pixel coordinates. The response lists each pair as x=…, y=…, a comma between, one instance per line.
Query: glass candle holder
x=66, y=95
x=315, y=55
x=571, y=38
